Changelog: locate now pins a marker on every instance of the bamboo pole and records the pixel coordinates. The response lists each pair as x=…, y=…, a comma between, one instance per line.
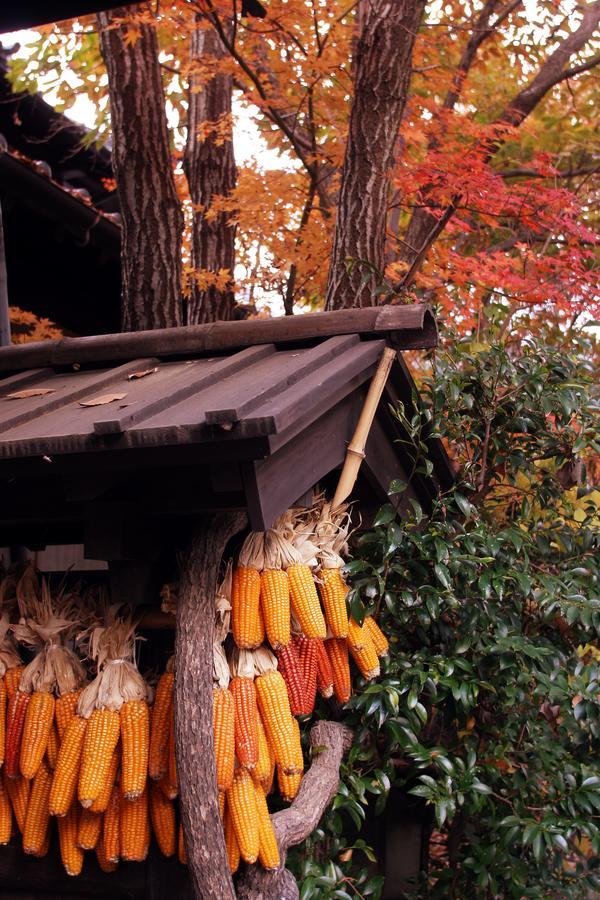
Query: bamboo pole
x=356, y=448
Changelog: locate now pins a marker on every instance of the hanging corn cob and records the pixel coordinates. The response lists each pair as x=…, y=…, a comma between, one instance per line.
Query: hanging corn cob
x=231, y=843
x=265, y=765
x=380, y=642
x=307, y=652
x=10, y=668
x=70, y=853
x=5, y=816
x=275, y=711
x=275, y=593
x=134, y=828
x=223, y=703
x=241, y=803
x=324, y=671
x=268, y=851
x=158, y=755
x=337, y=651
x=246, y=616
x=288, y=663
x=289, y=785
x=243, y=692
x=297, y=554
x=366, y=658
x=330, y=534
x=162, y=816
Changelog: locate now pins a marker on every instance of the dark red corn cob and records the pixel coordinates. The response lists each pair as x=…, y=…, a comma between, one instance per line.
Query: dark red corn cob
x=15, y=720
x=307, y=651
x=291, y=669
x=324, y=671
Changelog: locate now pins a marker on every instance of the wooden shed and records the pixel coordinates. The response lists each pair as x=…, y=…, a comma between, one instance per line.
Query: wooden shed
x=129, y=444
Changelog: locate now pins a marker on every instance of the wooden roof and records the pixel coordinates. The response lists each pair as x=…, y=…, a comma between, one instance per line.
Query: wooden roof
x=240, y=414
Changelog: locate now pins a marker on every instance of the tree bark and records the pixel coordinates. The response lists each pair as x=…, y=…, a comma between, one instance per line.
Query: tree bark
x=330, y=741
x=382, y=75
x=207, y=858
x=151, y=214
x=209, y=166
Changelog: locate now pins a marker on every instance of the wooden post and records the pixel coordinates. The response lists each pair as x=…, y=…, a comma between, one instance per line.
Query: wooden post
x=207, y=858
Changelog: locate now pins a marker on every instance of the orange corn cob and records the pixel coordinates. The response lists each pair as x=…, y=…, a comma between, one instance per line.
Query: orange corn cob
x=181, y=851
x=36, y=729
x=289, y=785
x=66, y=773
x=52, y=747
x=288, y=663
x=262, y=772
x=246, y=618
x=245, y=720
x=101, y=738
x=307, y=651
x=2, y=719
x=275, y=605
x=45, y=846
x=231, y=844
x=380, y=642
x=18, y=794
x=37, y=818
x=305, y=601
x=172, y=768
x=70, y=853
x=337, y=651
x=241, y=803
x=334, y=590
x=15, y=720
x=366, y=659
x=162, y=814
x=111, y=831
x=103, y=799
x=105, y=864
x=89, y=829
x=161, y=723
x=5, y=816
x=221, y=796
x=224, y=736
x=12, y=679
x=134, y=828
x=356, y=635
x=268, y=851
x=277, y=718
x=135, y=737
x=64, y=710
x=324, y=672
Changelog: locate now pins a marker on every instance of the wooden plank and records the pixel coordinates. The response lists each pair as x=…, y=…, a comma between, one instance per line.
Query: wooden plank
x=68, y=388
x=22, y=380
x=414, y=325
x=209, y=373
x=304, y=362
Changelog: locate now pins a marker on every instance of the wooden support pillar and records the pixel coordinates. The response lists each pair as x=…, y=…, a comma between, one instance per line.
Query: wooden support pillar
x=207, y=858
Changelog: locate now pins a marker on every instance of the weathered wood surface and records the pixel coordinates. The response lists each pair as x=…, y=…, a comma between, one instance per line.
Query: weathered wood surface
x=407, y=327
x=207, y=858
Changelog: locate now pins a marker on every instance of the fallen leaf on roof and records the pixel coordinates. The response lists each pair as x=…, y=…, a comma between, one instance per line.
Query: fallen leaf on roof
x=102, y=400
x=142, y=374
x=29, y=392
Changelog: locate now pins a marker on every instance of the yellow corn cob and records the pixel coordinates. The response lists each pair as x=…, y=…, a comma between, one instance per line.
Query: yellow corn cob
x=224, y=736
x=111, y=831
x=101, y=738
x=37, y=818
x=89, y=829
x=45, y=846
x=356, y=635
x=241, y=803
x=12, y=679
x=103, y=799
x=262, y=772
x=333, y=591
x=246, y=617
x=231, y=844
x=5, y=816
x=268, y=851
x=366, y=659
x=221, y=805
x=66, y=773
x=134, y=828
x=181, y=851
x=64, y=710
x=2, y=718
x=380, y=642
x=38, y=722
x=18, y=793
x=337, y=651
x=305, y=601
x=275, y=605
x=161, y=723
x=70, y=853
x=105, y=864
x=289, y=785
x=52, y=747
x=274, y=708
x=162, y=814
x=135, y=737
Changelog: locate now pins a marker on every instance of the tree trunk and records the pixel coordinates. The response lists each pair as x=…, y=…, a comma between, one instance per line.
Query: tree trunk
x=151, y=215
x=207, y=859
x=382, y=74
x=211, y=174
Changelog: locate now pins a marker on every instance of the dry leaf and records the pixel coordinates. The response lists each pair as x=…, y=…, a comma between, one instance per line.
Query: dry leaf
x=100, y=401
x=29, y=392
x=142, y=374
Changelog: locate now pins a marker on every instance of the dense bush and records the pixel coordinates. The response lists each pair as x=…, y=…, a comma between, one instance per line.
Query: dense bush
x=488, y=706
